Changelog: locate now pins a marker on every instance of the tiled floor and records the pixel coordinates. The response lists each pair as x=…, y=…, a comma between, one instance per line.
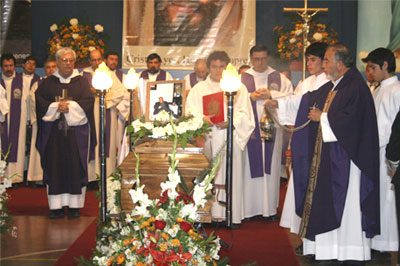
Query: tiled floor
x=40, y=241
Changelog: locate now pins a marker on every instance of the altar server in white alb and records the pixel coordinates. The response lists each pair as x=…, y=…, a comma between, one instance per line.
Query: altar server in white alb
x=263, y=159
x=382, y=65
x=113, y=97
x=13, y=131
x=243, y=121
x=315, y=56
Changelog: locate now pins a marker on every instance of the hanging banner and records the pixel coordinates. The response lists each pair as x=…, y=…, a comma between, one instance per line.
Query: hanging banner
x=183, y=31
x=16, y=32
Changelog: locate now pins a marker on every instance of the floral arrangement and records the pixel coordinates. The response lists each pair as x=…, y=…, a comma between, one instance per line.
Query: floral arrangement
x=114, y=192
x=5, y=182
x=290, y=40
x=161, y=231
x=81, y=38
x=187, y=128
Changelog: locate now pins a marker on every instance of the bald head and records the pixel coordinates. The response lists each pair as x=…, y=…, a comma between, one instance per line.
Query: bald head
x=95, y=59
x=200, y=68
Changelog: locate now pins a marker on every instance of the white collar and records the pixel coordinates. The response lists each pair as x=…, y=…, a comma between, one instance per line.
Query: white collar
x=4, y=77
x=66, y=80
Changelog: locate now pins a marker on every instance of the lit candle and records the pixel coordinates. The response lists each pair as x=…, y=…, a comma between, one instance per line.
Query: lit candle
x=131, y=80
x=230, y=81
x=102, y=78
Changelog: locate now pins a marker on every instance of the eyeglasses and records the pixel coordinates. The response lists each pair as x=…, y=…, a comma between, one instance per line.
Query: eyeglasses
x=67, y=60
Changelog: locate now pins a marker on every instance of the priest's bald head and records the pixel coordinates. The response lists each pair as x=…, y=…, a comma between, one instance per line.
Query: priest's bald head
x=95, y=59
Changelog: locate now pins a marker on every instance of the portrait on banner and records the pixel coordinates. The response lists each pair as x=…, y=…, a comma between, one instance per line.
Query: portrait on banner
x=182, y=31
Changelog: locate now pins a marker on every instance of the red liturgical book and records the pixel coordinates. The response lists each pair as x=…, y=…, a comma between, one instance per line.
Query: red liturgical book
x=213, y=104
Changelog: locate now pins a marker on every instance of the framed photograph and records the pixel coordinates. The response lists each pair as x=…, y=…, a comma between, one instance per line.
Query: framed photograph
x=165, y=95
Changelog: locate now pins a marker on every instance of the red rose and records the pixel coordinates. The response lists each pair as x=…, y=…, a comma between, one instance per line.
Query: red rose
x=160, y=224
x=185, y=226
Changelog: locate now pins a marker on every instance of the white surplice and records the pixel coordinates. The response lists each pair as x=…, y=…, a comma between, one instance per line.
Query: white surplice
x=113, y=97
x=387, y=105
x=261, y=194
x=35, y=171
x=287, y=113
x=16, y=169
x=243, y=121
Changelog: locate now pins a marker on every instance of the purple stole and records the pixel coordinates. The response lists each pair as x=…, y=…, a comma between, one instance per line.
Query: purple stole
x=119, y=74
x=160, y=77
x=254, y=145
x=10, y=137
x=88, y=77
x=34, y=79
x=193, y=79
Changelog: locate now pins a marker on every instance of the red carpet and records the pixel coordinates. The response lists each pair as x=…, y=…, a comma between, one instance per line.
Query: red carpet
x=33, y=201
x=81, y=247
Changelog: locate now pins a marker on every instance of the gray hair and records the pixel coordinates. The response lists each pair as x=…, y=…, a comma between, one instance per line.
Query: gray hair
x=342, y=53
x=65, y=50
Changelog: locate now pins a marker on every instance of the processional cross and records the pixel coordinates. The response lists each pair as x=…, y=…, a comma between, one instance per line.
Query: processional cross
x=306, y=14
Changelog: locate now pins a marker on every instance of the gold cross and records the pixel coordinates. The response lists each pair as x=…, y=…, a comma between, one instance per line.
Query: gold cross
x=306, y=16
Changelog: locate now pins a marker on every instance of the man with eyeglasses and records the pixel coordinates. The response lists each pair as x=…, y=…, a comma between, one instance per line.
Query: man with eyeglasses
x=263, y=163
x=66, y=132
x=113, y=97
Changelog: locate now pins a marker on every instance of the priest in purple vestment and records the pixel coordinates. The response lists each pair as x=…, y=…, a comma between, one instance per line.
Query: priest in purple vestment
x=336, y=164
x=64, y=108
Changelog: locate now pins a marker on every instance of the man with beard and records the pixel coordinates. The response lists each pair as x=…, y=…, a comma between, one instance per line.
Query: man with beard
x=13, y=132
x=336, y=164
x=154, y=71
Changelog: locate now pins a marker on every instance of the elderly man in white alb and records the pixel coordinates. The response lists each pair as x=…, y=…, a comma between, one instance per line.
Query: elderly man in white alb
x=263, y=163
x=200, y=73
x=243, y=121
x=113, y=97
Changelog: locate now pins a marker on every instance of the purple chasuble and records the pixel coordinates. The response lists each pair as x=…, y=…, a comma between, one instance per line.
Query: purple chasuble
x=254, y=145
x=162, y=75
x=119, y=74
x=64, y=171
x=10, y=133
x=353, y=121
x=88, y=77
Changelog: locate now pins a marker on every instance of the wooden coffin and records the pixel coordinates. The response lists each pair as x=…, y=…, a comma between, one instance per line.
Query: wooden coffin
x=153, y=169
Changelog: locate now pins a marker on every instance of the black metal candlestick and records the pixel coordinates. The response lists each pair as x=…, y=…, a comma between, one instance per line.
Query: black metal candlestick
x=229, y=160
x=103, y=177
x=130, y=115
